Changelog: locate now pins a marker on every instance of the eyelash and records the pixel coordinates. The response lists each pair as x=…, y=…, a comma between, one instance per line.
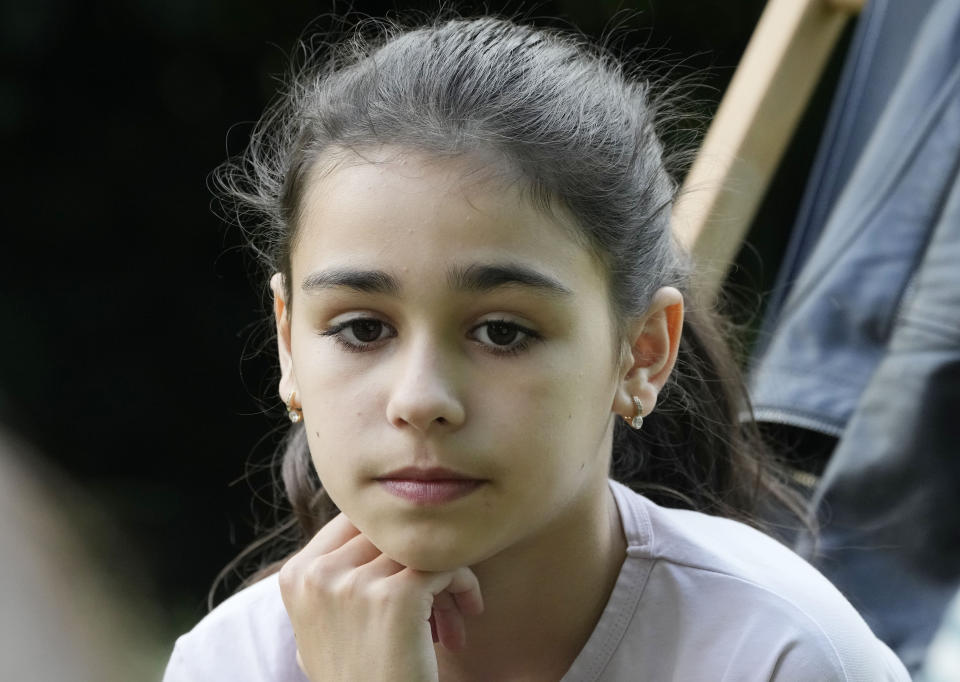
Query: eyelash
x=515, y=349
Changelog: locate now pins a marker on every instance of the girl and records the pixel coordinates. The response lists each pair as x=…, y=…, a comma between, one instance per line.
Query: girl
x=480, y=317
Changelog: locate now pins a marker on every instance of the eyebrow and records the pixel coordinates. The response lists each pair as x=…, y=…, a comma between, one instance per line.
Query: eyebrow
x=477, y=278
x=364, y=281
x=485, y=277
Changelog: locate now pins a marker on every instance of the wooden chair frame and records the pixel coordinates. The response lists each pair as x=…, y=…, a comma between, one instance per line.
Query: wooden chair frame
x=757, y=117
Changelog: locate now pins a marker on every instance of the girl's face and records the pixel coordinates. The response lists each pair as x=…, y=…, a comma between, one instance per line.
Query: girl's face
x=439, y=321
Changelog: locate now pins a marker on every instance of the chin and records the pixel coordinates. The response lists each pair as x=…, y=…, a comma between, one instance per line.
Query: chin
x=425, y=553
x=427, y=556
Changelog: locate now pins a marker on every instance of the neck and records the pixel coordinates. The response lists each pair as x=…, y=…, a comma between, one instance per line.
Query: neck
x=542, y=600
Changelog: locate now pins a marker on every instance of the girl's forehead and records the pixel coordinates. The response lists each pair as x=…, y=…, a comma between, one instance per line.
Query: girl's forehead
x=405, y=212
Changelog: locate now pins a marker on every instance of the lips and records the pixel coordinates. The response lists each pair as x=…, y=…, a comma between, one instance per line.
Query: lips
x=433, y=485
x=427, y=474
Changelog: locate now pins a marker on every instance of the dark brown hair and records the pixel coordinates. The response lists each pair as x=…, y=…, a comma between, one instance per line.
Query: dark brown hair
x=580, y=131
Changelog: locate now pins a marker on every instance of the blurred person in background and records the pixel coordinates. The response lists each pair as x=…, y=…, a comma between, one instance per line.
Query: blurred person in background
x=65, y=612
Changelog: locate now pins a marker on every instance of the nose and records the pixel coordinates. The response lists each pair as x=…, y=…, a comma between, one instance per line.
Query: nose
x=424, y=395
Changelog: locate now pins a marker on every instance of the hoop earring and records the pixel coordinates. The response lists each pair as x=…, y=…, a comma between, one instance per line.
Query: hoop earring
x=294, y=413
x=636, y=421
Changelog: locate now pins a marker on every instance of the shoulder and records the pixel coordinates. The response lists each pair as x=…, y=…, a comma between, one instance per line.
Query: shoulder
x=735, y=595
x=247, y=637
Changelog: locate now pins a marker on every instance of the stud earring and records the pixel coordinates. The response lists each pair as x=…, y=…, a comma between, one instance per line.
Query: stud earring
x=636, y=421
x=294, y=413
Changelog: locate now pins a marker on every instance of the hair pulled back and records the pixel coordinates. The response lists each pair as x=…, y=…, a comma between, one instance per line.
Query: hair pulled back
x=578, y=130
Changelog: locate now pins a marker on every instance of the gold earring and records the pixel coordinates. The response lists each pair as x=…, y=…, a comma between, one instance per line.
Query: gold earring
x=294, y=413
x=636, y=421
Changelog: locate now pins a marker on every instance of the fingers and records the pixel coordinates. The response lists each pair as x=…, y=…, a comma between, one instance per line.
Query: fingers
x=357, y=551
x=379, y=567
x=455, y=594
x=449, y=627
x=351, y=605
x=461, y=597
x=331, y=553
x=351, y=567
x=337, y=532
x=460, y=581
x=461, y=584
x=465, y=589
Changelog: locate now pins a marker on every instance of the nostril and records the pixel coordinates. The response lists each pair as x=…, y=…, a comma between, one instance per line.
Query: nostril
x=442, y=420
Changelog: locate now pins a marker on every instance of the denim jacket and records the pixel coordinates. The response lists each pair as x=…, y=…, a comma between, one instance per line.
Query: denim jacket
x=866, y=345
x=836, y=322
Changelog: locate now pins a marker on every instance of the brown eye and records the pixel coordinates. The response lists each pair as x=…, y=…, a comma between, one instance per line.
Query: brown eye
x=366, y=331
x=502, y=337
x=360, y=334
x=501, y=333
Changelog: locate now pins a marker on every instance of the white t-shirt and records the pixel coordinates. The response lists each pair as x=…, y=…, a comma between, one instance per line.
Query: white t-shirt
x=698, y=598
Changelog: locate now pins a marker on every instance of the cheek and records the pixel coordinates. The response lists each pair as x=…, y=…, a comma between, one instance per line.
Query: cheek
x=331, y=387
x=337, y=406
x=559, y=410
x=578, y=380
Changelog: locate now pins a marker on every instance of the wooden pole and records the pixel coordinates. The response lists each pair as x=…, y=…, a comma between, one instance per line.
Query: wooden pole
x=752, y=127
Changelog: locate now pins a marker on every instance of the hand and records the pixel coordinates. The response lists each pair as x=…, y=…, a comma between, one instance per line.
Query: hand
x=359, y=615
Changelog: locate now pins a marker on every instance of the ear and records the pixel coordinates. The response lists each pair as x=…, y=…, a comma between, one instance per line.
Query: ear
x=654, y=340
x=281, y=312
